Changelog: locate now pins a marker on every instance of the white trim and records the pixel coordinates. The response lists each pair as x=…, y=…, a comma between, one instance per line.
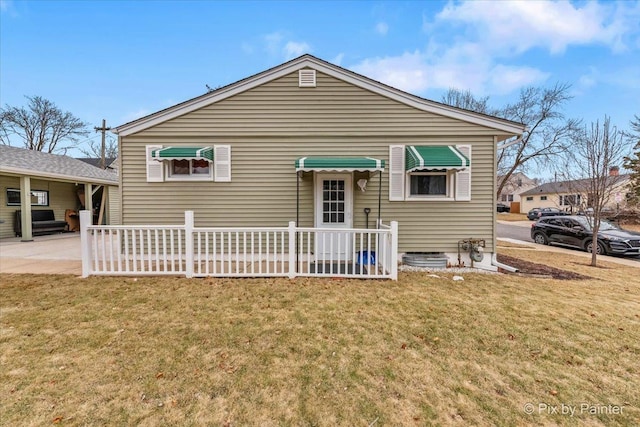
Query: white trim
x=169, y=176
x=57, y=176
x=308, y=61
x=449, y=184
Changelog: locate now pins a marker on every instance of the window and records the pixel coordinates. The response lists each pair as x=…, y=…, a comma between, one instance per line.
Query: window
x=511, y=197
x=196, y=169
x=333, y=204
x=182, y=163
x=38, y=197
x=429, y=184
x=541, y=198
x=570, y=200
x=434, y=173
x=504, y=197
x=529, y=198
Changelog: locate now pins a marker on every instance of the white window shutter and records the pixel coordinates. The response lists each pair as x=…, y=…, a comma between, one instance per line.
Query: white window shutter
x=155, y=168
x=463, y=178
x=222, y=163
x=396, y=173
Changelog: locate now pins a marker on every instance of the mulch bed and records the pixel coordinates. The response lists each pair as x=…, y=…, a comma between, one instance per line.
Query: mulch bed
x=534, y=269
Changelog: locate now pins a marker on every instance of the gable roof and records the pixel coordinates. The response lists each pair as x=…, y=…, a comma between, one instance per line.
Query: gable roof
x=308, y=61
x=561, y=187
x=21, y=161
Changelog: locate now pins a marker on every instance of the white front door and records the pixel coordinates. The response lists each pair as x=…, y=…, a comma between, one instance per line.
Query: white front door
x=334, y=210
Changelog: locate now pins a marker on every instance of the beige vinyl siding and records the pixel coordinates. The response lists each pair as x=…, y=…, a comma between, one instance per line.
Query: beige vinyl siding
x=113, y=206
x=270, y=126
x=333, y=107
x=62, y=196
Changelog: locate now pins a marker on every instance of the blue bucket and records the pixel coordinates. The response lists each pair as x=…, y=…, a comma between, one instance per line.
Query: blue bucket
x=366, y=257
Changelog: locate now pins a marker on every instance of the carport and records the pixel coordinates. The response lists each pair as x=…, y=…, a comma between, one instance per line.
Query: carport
x=55, y=183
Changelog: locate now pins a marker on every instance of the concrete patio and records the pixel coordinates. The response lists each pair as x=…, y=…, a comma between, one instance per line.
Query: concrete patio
x=50, y=254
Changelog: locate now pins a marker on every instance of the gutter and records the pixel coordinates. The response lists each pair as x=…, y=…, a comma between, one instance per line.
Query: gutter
x=494, y=262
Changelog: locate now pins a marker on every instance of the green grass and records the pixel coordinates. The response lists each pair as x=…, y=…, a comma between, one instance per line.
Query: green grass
x=420, y=351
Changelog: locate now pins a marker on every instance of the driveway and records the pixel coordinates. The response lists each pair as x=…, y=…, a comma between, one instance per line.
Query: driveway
x=52, y=254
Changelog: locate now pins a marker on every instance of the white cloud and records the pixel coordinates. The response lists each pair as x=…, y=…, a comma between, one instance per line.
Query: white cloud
x=338, y=59
x=382, y=28
x=480, y=45
x=277, y=44
x=273, y=42
x=517, y=26
x=294, y=49
x=462, y=66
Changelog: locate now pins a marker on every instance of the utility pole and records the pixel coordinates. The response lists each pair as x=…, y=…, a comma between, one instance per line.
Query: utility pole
x=102, y=129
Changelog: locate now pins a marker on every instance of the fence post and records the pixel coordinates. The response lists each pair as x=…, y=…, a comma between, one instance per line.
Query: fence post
x=188, y=242
x=394, y=250
x=85, y=242
x=292, y=249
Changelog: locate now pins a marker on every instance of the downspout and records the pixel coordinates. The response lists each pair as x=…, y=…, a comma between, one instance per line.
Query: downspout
x=494, y=262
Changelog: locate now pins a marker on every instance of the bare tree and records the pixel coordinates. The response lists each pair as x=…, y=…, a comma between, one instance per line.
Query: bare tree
x=94, y=148
x=548, y=133
x=632, y=162
x=596, y=150
x=466, y=101
x=41, y=126
x=540, y=109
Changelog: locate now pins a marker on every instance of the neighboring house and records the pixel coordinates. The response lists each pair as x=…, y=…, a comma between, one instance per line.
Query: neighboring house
x=54, y=182
x=572, y=195
x=517, y=184
x=312, y=142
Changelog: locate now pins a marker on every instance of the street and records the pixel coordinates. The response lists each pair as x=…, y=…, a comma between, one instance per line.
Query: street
x=521, y=232
x=517, y=232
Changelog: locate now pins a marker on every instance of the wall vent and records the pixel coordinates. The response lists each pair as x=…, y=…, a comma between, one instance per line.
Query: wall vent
x=307, y=78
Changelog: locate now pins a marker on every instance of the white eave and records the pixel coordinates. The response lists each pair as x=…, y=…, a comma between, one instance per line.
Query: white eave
x=308, y=61
x=56, y=176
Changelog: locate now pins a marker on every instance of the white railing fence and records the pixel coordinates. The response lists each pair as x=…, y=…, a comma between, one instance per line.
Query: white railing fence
x=238, y=252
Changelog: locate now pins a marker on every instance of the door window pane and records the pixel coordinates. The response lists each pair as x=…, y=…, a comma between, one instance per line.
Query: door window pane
x=333, y=205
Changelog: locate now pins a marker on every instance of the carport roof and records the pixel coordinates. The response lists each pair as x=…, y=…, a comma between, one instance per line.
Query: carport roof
x=20, y=161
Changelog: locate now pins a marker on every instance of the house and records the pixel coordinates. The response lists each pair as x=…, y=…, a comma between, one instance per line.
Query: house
x=311, y=142
x=54, y=182
x=517, y=184
x=572, y=195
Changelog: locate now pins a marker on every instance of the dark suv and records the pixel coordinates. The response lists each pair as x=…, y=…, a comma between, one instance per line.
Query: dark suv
x=537, y=213
x=576, y=232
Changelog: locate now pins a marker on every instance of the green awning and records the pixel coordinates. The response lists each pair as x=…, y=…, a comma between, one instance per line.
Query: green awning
x=339, y=164
x=434, y=157
x=183, y=153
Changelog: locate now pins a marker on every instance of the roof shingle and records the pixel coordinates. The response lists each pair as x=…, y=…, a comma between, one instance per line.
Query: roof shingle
x=37, y=163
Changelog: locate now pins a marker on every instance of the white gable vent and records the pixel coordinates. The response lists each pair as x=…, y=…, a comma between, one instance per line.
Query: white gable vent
x=307, y=78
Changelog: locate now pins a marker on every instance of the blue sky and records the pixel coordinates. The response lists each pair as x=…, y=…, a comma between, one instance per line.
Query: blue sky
x=120, y=60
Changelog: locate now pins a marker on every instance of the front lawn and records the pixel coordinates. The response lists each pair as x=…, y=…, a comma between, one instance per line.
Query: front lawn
x=488, y=350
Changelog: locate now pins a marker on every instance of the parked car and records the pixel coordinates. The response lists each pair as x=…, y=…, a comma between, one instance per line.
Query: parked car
x=575, y=231
x=533, y=213
x=537, y=213
x=501, y=207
